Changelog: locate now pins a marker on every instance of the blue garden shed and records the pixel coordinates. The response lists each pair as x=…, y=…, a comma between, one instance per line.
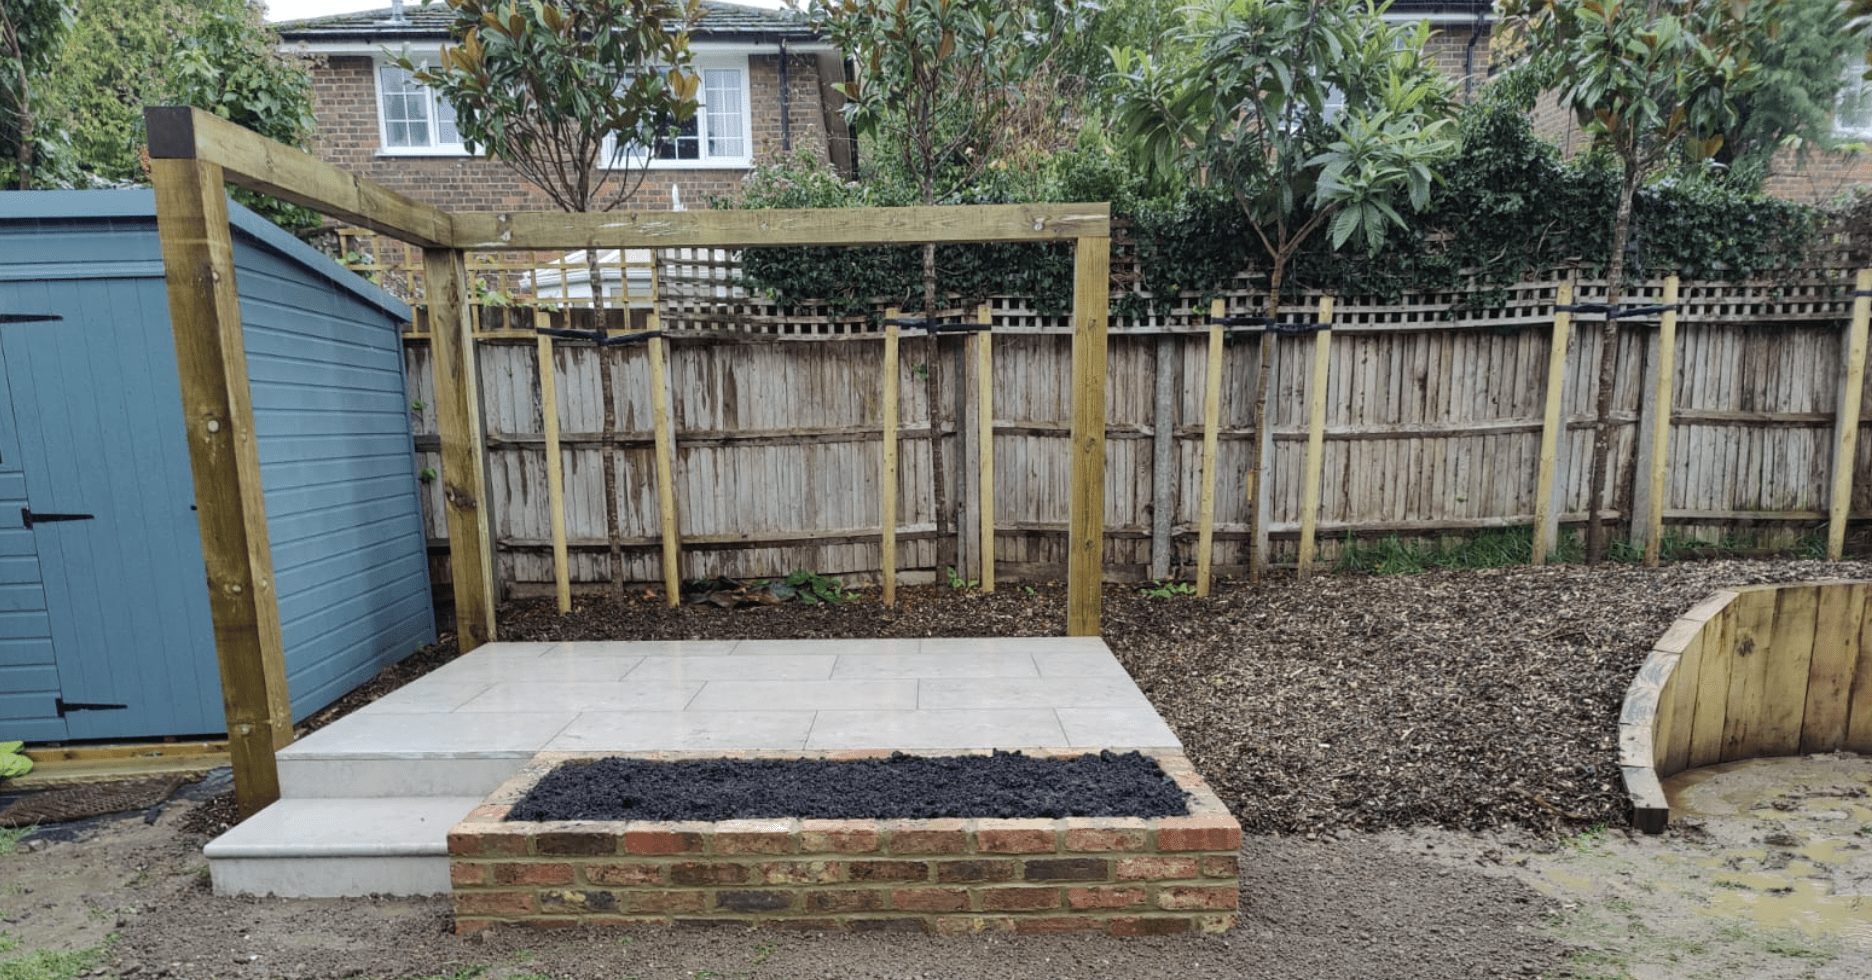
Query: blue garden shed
x=105, y=630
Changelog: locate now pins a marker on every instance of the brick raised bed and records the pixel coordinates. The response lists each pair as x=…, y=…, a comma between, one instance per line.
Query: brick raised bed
x=1121, y=875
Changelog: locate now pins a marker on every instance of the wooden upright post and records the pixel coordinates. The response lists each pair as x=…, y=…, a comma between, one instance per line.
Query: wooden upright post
x=458, y=423
x=555, y=472
x=984, y=419
x=1316, y=436
x=887, y=476
x=217, y=409
x=1546, y=508
x=1664, y=380
x=1085, y=540
x=1846, y=425
x=665, y=453
x=1212, y=413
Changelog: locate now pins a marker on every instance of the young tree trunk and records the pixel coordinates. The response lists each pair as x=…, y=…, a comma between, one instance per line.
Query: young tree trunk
x=1257, y=461
x=613, y=534
x=1608, y=368
x=945, y=548
x=23, y=153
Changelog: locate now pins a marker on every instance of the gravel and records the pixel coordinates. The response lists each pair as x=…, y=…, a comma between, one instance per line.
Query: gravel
x=1005, y=784
x=1467, y=700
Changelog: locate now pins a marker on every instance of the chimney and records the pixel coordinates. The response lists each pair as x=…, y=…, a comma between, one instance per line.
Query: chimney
x=396, y=11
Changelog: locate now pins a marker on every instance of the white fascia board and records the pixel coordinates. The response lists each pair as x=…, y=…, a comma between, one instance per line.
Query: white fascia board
x=374, y=48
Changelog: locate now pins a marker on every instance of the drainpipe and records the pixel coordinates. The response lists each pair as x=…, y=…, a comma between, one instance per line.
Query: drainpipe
x=786, y=102
x=1468, y=60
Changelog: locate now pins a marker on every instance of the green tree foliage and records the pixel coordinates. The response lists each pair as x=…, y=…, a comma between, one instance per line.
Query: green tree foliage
x=1789, y=100
x=1312, y=116
x=550, y=87
x=939, y=87
x=31, y=32
x=1646, y=79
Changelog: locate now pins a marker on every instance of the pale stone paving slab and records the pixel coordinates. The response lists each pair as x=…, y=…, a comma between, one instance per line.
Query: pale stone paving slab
x=1045, y=692
x=757, y=648
x=816, y=695
x=936, y=730
x=643, y=731
x=930, y=665
x=775, y=667
x=646, y=695
x=465, y=734
x=1104, y=727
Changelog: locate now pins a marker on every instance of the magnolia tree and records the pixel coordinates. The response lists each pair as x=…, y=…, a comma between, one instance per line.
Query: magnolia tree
x=1315, y=117
x=1648, y=80
x=575, y=96
x=936, y=86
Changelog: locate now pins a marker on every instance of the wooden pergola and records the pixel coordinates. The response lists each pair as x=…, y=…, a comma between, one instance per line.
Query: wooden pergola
x=194, y=155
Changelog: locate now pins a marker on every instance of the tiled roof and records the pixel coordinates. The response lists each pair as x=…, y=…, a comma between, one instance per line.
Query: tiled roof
x=1424, y=8
x=720, y=21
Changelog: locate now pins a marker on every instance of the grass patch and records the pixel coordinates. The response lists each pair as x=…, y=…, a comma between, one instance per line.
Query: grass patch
x=51, y=964
x=10, y=838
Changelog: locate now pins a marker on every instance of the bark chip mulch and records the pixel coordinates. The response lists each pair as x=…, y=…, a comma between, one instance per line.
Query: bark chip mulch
x=1004, y=784
x=1469, y=700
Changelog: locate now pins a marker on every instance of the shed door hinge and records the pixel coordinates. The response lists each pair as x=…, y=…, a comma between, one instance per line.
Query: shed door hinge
x=64, y=707
x=28, y=518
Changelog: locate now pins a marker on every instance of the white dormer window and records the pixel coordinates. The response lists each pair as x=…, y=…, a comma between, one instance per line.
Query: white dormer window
x=1852, y=112
x=720, y=135
x=413, y=119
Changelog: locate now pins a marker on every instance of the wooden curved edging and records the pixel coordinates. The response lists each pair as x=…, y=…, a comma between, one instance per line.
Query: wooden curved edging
x=1751, y=672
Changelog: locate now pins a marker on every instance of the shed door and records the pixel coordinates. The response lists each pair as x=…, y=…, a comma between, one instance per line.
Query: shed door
x=109, y=507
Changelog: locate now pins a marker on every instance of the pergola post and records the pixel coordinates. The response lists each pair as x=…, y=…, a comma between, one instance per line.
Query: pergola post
x=458, y=423
x=224, y=458
x=1085, y=515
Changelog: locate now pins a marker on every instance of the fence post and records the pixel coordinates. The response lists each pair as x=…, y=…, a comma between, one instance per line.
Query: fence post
x=224, y=459
x=1546, y=507
x=1212, y=412
x=665, y=447
x=1085, y=515
x=1846, y=423
x=1652, y=494
x=887, y=478
x=1164, y=459
x=555, y=466
x=458, y=423
x=1316, y=436
x=984, y=441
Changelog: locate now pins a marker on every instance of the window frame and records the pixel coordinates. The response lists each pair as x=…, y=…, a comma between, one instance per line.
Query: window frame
x=1850, y=80
x=434, y=148
x=704, y=61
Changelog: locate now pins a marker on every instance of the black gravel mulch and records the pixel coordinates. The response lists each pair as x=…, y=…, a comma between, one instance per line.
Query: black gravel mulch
x=1005, y=784
x=1468, y=700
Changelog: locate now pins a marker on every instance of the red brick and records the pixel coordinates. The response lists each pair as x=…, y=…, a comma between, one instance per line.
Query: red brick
x=1137, y=926
x=930, y=837
x=1104, y=898
x=754, y=837
x=487, y=845
x=1220, y=866
x=963, y=925
x=661, y=842
x=887, y=925
x=1015, y=837
x=555, y=923
x=887, y=871
x=1157, y=868
x=708, y=873
x=467, y=927
x=467, y=874
x=1019, y=899
x=973, y=871
x=799, y=872
x=1198, y=834
x=494, y=812
x=567, y=843
x=810, y=925
x=629, y=873
x=1187, y=897
x=665, y=903
x=845, y=900
x=1067, y=869
x=1091, y=839
x=499, y=904
x=755, y=900
x=576, y=901
x=930, y=899
x=839, y=836
x=1032, y=924
x=532, y=873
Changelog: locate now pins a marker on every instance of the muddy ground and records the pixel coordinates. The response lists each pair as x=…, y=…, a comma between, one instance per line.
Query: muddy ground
x=1768, y=875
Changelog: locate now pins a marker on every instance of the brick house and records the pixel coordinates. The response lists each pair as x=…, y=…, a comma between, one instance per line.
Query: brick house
x=1460, y=35
x=766, y=81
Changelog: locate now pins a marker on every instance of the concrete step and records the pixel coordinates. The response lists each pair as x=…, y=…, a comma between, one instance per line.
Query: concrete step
x=336, y=847
x=311, y=775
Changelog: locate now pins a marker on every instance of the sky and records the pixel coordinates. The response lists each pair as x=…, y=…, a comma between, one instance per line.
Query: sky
x=297, y=9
